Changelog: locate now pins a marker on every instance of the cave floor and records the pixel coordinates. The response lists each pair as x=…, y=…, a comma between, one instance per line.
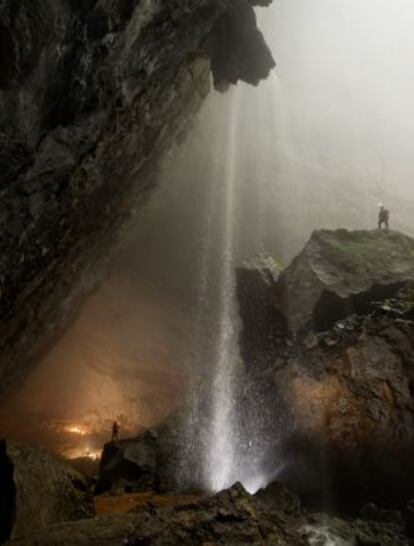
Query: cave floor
x=134, y=502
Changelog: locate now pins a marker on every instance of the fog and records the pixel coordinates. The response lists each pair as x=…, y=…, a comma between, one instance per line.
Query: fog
x=342, y=101
x=319, y=145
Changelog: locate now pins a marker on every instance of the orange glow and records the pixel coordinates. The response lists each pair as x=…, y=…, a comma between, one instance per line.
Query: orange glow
x=94, y=455
x=80, y=430
x=82, y=452
x=130, y=370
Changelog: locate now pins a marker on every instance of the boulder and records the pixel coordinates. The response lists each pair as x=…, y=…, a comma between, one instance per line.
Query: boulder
x=281, y=499
x=230, y=517
x=147, y=462
x=38, y=489
x=129, y=464
x=256, y=282
x=337, y=404
x=339, y=273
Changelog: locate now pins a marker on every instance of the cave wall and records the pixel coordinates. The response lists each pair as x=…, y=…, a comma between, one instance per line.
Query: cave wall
x=338, y=405
x=91, y=95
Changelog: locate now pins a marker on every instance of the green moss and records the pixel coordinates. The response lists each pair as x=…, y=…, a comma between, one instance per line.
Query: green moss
x=277, y=263
x=362, y=252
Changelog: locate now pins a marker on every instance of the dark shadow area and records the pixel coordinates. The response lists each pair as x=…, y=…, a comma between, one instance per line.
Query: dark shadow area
x=7, y=494
x=127, y=465
x=238, y=49
x=331, y=308
x=7, y=57
x=344, y=481
x=263, y=327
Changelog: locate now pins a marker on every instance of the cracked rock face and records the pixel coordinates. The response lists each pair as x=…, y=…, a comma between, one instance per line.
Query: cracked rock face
x=273, y=517
x=230, y=517
x=350, y=402
x=347, y=393
x=92, y=93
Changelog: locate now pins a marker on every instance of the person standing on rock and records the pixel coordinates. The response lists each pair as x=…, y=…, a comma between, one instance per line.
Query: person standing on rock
x=115, y=431
x=383, y=218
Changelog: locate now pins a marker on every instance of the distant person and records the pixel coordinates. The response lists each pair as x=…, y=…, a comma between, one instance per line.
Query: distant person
x=115, y=431
x=383, y=218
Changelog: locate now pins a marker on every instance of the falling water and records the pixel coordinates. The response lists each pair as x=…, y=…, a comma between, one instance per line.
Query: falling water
x=273, y=163
x=218, y=446
x=211, y=436
x=220, y=462
x=190, y=471
x=210, y=430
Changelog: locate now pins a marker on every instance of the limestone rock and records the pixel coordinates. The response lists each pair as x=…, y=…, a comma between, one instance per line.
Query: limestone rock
x=352, y=409
x=37, y=489
x=232, y=48
x=129, y=464
x=341, y=272
x=256, y=281
x=146, y=462
x=338, y=404
x=92, y=94
x=281, y=499
x=230, y=517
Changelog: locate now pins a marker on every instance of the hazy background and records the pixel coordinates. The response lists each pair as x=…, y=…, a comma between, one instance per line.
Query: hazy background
x=320, y=144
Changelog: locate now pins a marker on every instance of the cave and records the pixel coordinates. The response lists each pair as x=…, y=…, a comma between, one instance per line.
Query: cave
x=206, y=323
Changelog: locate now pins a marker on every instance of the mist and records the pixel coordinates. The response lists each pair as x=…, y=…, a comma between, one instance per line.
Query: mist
x=342, y=112
x=321, y=143
x=318, y=145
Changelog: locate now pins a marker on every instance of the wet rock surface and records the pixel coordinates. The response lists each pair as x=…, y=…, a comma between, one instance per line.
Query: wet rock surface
x=273, y=516
x=351, y=407
x=256, y=281
x=91, y=95
x=322, y=530
x=37, y=490
x=345, y=393
x=231, y=517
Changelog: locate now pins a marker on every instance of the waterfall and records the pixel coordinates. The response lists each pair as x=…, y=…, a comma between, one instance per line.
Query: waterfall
x=219, y=447
x=223, y=435
x=212, y=439
x=268, y=165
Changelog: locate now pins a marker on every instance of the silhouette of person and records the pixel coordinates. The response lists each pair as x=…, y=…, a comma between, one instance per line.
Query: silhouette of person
x=115, y=431
x=383, y=218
